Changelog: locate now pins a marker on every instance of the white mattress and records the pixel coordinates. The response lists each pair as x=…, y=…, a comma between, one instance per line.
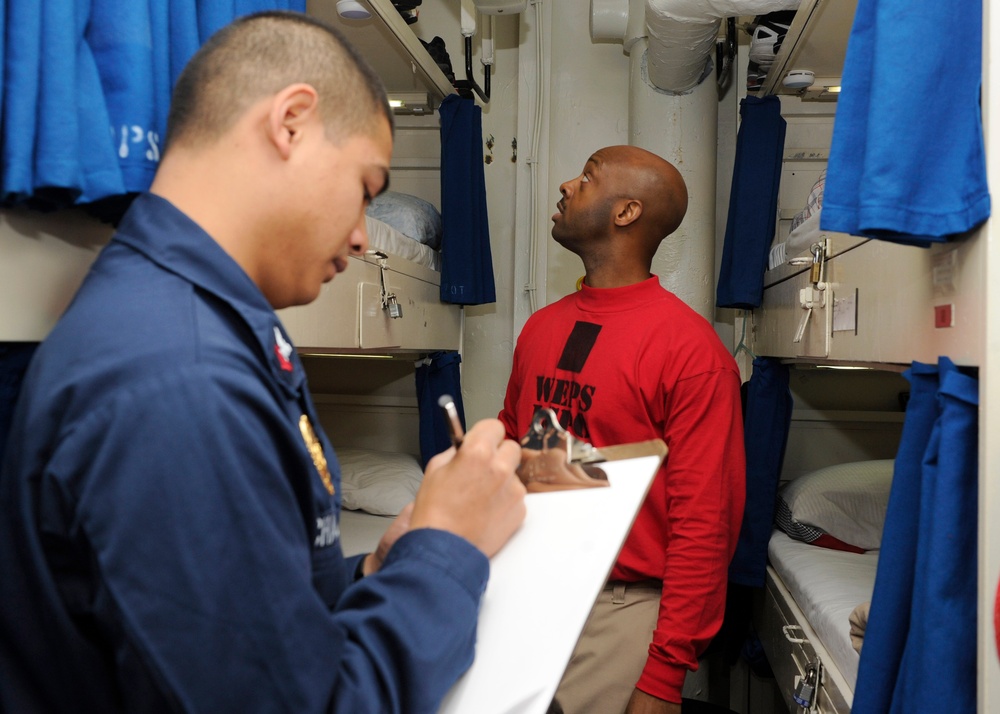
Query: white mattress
x=382, y=236
x=361, y=531
x=826, y=585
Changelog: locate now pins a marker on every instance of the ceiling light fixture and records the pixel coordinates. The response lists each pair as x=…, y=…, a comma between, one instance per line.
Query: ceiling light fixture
x=799, y=79
x=410, y=103
x=352, y=10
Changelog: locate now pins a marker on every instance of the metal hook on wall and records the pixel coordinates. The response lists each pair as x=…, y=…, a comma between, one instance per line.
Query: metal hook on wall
x=725, y=53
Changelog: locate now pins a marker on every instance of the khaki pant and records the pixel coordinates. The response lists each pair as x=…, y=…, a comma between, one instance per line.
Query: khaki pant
x=612, y=651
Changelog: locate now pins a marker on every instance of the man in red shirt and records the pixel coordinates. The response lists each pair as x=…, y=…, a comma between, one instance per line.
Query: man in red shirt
x=624, y=360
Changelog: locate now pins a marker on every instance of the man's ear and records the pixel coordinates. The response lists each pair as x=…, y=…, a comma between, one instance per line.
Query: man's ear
x=628, y=212
x=290, y=112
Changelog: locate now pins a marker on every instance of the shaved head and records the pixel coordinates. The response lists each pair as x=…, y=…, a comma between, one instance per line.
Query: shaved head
x=642, y=175
x=259, y=55
x=615, y=214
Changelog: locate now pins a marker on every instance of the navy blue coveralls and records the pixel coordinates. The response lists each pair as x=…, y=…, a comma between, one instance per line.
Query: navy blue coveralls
x=168, y=541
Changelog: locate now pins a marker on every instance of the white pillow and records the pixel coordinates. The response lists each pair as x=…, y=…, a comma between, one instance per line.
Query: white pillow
x=847, y=501
x=378, y=482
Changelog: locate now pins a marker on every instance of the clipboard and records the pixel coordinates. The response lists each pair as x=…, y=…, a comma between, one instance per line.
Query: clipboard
x=544, y=582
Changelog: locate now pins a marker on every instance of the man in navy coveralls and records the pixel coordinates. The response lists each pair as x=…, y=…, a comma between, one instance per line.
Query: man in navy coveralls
x=169, y=534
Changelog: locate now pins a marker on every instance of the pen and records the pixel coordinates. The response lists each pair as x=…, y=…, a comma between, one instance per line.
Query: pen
x=454, y=423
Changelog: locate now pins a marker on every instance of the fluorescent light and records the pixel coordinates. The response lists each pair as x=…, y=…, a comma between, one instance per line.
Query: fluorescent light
x=835, y=89
x=346, y=355
x=410, y=103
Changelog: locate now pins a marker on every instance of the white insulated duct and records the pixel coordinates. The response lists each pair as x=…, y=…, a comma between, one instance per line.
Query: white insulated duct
x=682, y=35
x=683, y=129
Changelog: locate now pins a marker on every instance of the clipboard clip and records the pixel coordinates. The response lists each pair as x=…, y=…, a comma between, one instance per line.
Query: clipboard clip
x=546, y=433
x=552, y=459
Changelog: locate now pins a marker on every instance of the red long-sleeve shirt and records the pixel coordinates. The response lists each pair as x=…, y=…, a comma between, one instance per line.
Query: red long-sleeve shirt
x=629, y=364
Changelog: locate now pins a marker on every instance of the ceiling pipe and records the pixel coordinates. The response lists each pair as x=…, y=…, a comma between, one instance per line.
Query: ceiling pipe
x=682, y=36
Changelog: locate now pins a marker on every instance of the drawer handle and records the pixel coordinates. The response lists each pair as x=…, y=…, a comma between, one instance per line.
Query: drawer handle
x=788, y=629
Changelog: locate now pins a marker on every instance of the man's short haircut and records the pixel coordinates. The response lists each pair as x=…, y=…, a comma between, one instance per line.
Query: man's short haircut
x=257, y=56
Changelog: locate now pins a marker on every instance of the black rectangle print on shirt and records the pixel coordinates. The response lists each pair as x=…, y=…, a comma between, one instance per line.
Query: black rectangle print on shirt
x=578, y=346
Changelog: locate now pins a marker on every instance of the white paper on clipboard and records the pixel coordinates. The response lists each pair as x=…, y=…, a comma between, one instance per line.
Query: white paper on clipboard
x=542, y=587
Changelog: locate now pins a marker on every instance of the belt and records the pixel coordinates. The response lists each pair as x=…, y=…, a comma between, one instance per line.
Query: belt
x=619, y=587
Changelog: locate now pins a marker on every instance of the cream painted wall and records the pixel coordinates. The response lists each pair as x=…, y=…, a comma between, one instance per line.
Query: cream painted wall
x=588, y=92
x=43, y=259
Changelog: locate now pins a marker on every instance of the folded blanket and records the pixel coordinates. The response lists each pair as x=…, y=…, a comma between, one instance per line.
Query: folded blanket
x=859, y=623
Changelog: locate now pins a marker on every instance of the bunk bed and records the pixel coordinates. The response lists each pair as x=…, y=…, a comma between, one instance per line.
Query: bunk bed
x=883, y=303
x=836, y=300
x=353, y=313
x=804, y=622
x=388, y=301
x=376, y=324
x=822, y=561
x=375, y=487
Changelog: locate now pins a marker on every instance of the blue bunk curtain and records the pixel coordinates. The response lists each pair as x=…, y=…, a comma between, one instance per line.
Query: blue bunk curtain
x=903, y=167
x=439, y=374
x=919, y=651
x=466, y=258
x=767, y=417
x=753, y=203
x=86, y=91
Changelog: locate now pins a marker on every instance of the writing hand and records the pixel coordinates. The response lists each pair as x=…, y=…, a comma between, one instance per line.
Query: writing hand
x=474, y=492
x=373, y=561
